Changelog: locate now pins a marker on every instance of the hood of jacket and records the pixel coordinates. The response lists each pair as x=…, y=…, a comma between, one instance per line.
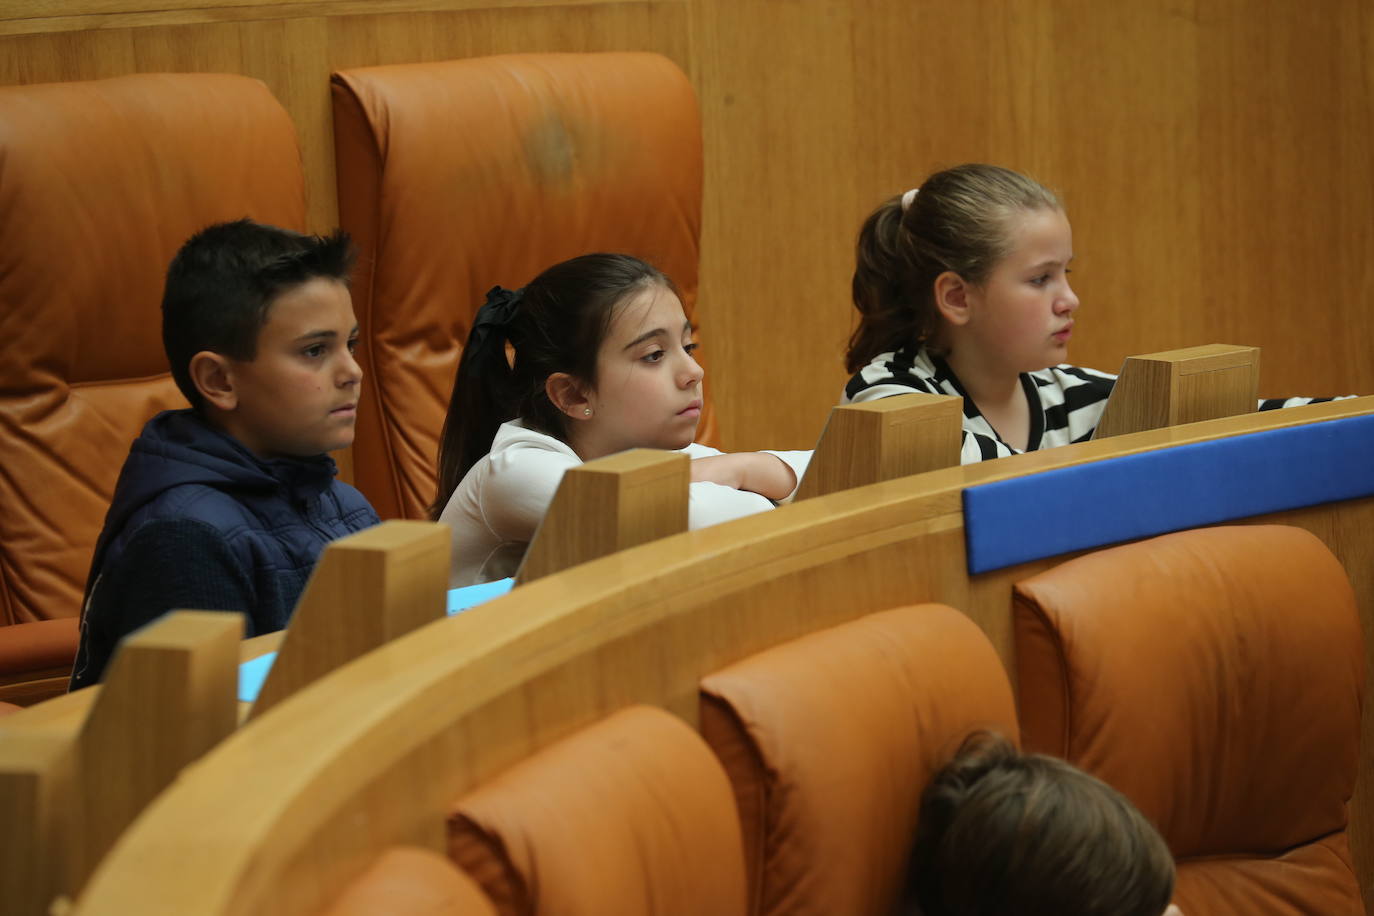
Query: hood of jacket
x=179, y=447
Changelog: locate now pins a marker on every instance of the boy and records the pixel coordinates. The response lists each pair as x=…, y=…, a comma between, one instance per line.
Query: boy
x=227, y=505
x=1008, y=833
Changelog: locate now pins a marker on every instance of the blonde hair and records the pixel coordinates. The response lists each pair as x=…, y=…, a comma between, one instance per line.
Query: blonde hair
x=960, y=221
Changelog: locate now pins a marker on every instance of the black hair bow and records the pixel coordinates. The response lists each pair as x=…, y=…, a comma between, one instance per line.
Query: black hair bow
x=499, y=309
x=491, y=327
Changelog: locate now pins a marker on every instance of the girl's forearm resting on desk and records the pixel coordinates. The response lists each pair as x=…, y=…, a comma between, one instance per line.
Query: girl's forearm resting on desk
x=757, y=472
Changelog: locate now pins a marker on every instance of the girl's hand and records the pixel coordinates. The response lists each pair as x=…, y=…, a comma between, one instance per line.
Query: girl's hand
x=757, y=472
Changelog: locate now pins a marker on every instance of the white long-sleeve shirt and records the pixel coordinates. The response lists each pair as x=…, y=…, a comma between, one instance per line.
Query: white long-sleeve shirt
x=500, y=502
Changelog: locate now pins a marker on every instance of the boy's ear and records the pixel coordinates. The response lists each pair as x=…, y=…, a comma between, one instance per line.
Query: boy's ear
x=214, y=379
x=567, y=394
x=952, y=298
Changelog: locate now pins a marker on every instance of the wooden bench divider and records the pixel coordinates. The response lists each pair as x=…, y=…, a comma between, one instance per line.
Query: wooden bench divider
x=641, y=495
x=66, y=794
x=77, y=769
x=1174, y=387
x=368, y=589
x=607, y=505
x=883, y=440
x=37, y=783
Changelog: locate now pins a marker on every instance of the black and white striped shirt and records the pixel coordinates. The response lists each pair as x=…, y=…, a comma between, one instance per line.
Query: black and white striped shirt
x=1066, y=401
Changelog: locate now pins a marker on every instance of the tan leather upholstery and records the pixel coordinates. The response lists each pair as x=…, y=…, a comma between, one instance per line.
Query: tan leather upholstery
x=408, y=881
x=1215, y=677
x=102, y=182
x=36, y=659
x=457, y=176
x=829, y=741
x=37, y=645
x=630, y=815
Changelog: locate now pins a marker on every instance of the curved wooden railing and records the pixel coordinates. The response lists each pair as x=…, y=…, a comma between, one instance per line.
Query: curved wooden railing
x=277, y=817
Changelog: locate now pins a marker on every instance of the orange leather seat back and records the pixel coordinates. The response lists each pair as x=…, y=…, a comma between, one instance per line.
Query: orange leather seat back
x=830, y=740
x=457, y=176
x=1215, y=677
x=102, y=182
x=629, y=815
x=409, y=881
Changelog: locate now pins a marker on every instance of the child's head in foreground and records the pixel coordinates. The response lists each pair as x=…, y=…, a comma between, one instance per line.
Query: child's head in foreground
x=259, y=329
x=1002, y=833
x=600, y=358
x=976, y=257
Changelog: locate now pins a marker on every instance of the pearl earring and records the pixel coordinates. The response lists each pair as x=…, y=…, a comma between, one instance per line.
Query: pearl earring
x=586, y=411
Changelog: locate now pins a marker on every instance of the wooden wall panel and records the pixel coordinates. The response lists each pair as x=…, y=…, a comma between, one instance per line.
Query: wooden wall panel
x=775, y=80
x=1214, y=155
x=1288, y=227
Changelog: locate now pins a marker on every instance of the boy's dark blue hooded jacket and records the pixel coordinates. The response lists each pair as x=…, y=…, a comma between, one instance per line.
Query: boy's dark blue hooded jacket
x=200, y=522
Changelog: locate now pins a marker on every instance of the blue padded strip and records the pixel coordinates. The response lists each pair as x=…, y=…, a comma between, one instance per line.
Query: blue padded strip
x=1135, y=496
x=253, y=672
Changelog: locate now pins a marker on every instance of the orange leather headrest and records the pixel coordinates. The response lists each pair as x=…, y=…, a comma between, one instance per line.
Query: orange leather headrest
x=457, y=176
x=102, y=183
x=630, y=815
x=829, y=741
x=409, y=881
x=1214, y=676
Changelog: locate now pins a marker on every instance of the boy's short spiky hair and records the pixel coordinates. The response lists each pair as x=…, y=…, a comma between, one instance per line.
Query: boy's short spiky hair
x=223, y=280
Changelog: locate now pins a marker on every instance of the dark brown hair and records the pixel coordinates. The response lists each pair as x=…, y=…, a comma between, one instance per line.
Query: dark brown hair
x=1001, y=833
x=223, y=281
x=958, y=221
x=555, y=324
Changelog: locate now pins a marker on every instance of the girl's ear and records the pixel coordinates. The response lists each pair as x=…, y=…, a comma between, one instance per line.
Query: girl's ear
x=567, y=394
x=214, y=379
x=952, y=298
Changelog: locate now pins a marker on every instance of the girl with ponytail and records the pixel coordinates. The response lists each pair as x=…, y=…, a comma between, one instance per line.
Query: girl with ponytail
x=962, y=288
x=593, y=357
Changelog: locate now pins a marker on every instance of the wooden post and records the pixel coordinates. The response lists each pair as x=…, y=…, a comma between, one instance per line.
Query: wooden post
x=1181, y=386
x=36, y=781
x=883, y=440
x=607, y=505
x=75, y=771
x=367, y=589
x=169, y=696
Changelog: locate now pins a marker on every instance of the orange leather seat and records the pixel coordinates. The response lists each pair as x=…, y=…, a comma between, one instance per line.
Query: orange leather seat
x=457, y=176
x=631, y=815
x=36, y=658
x=102, y=182
x=409, y=881
x=829, y=741
x=1215, y=677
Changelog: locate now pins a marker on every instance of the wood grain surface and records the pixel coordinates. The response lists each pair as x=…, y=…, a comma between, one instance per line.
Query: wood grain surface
x=1213, y=155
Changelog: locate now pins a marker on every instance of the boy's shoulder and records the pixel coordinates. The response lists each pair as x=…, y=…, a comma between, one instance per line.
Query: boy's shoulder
x=181, y=469
x=227, y=506
x=211, y=509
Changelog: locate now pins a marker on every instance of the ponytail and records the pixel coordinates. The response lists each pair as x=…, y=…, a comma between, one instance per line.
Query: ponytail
x=887, y=315
x=483, y=393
